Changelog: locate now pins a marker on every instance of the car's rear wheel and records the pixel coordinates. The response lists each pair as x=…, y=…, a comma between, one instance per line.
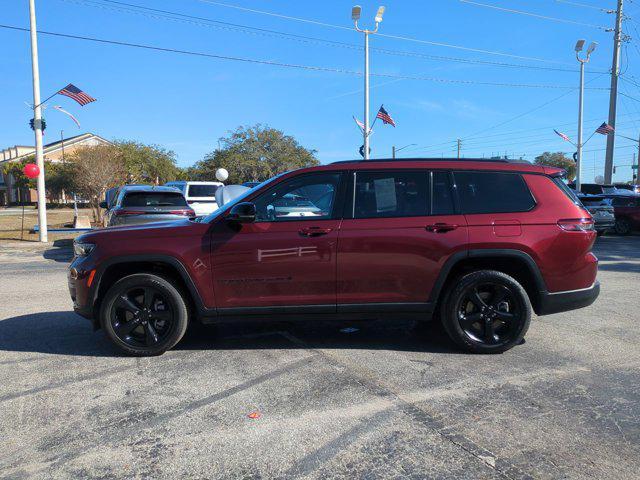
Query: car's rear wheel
x=623, y=227
x=144, y=314
x=486, y=312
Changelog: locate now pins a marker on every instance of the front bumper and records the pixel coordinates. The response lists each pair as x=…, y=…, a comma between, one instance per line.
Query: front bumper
x=79, y=279
x=564, y=301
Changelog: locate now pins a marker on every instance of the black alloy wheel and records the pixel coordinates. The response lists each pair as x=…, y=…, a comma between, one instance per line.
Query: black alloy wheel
x=487, y=312
x=142, y=317
x=144, y=314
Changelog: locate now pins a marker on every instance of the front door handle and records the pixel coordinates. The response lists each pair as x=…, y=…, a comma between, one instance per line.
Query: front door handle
x=441, y=227
x=314, y=231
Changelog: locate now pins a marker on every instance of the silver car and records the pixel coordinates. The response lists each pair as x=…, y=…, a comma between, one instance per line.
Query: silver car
x=135, y=204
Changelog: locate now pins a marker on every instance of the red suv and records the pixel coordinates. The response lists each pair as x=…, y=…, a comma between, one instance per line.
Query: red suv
x=477, y=244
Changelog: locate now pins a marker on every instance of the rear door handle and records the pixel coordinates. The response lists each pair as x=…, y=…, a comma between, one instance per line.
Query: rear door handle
x=441, y=227
x=314, y=231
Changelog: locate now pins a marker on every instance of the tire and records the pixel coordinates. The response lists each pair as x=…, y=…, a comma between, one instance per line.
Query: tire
x=144, y=314
x=500, y=326
x=622, y=227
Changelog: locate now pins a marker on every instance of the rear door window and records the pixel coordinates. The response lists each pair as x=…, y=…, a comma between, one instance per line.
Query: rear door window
x=154, y=199
x=493, y=192
x=391, y=194
x=442, y=198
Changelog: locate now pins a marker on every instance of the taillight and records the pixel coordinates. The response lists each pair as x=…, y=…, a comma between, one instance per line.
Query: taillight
x=129, y=212
x=576, y=224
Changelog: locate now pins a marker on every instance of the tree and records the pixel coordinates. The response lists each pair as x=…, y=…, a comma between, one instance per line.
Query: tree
x=95, y=170
x=254, y=154
x=559, y=160
x=58, y=175
x=148, y=163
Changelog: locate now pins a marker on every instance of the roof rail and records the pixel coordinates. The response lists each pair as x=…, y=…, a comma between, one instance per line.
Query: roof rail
x=489, y=160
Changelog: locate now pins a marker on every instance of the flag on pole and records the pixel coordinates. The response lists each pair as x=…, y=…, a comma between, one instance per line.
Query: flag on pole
x=359, y=123
x=562, y=136
x=75, y=93
x=605, y=129
x=385, y=117
x=60, y=109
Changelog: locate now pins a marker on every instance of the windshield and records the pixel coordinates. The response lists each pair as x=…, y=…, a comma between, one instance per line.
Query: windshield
x=609, y=190
x=216, y=213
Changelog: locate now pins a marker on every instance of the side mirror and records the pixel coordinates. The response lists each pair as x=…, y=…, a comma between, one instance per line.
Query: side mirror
x=103, y=205
x=243, y=212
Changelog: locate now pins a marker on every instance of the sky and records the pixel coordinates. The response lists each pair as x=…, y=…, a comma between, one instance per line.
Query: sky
x=498, y=80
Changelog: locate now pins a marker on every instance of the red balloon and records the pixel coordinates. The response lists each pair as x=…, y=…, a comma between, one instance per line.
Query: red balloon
x=31, y=170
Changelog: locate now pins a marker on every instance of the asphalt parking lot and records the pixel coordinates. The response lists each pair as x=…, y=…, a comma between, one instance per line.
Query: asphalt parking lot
x=390, y=400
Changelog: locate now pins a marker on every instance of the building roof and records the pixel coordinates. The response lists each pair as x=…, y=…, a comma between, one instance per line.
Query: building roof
x=19, y=152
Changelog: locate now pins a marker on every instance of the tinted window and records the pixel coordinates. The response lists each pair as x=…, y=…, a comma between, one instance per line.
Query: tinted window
x=492, y=192
x=202, y=190
x=391, y=194
x=309, y=197
x=442, y=198
x=624, y=202
x=590, y=189
x=153, y=199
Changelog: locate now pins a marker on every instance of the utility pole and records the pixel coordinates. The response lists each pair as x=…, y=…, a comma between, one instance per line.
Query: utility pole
x=355, y=16
x=459, y=146
x=613, y=94
x=37, y=124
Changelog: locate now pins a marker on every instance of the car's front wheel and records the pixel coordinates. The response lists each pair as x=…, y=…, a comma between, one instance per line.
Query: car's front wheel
x=144, y=314
x=486, y=312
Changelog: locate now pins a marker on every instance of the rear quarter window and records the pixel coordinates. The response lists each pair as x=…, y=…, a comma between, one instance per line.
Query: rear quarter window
x=493, y=192
x=202, y=190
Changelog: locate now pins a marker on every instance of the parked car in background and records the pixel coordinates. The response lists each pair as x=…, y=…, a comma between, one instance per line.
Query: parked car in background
x=388, y=238
x=250, y=184
x=628, y=186
x=201, y=196
x=601, y=210
x=627, y=212
x=145, y=204
x=597, y=189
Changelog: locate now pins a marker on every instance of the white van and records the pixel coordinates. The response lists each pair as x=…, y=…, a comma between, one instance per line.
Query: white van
x=201, y=196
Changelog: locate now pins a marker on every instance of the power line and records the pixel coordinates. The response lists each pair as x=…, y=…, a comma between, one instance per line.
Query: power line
x=530, y=14
x=293, y=65
x=379, y=34
x=155, y=13
x=583, y=5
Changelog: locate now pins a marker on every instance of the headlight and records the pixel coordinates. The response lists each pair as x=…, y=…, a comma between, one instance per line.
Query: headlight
x=82, y=249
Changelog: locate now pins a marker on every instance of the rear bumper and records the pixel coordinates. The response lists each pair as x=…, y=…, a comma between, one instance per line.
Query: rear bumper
x=564, y=301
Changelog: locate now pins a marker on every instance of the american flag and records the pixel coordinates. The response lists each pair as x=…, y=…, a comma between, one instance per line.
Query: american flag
x=78, y=95
x=385, y=117
x=605, y=129
x=562, y=136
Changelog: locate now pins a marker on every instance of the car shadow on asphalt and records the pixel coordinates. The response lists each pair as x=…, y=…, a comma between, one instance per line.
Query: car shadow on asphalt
x=61, y=251
x=65, y=333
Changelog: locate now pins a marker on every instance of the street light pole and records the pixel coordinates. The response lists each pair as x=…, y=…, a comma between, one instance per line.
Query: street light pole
x=355, y=16
x=395, y=150
x=366, y=94
x=578, y=49
x=37, y=124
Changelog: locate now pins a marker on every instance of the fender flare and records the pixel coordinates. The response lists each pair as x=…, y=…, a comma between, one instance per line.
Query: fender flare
x=151, y=258
x=458, y=257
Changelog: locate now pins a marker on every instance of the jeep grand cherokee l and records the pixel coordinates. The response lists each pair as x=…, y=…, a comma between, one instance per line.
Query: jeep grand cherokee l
x=477, y=244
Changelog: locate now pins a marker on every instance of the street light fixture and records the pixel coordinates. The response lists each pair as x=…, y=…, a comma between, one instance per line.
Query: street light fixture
x=355, y=16
x=579, y=46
